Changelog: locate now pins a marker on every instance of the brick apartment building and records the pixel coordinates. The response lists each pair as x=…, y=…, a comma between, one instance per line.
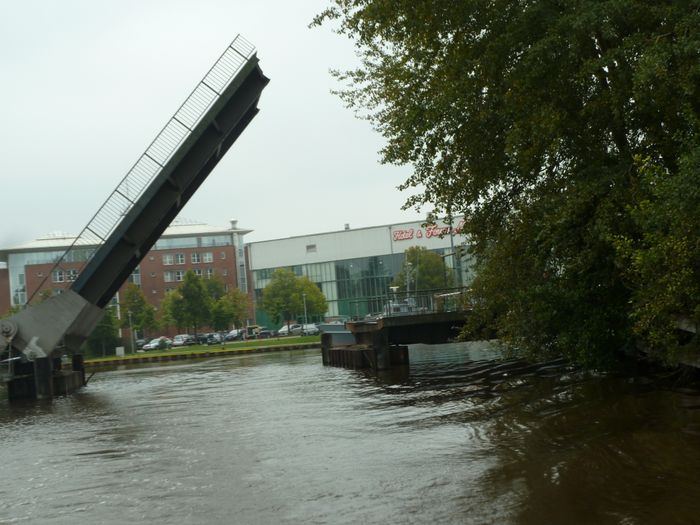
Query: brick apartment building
x=30, y=269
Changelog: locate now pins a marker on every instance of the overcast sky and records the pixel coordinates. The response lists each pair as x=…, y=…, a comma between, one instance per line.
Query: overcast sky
x=87, y=85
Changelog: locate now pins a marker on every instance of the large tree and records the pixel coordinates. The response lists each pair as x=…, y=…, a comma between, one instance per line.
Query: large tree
x=285, y=297
x=230, y=308
x=535, y=120
x=422, y=270
x=196, y=303
x=133, y=301
x=105, y=337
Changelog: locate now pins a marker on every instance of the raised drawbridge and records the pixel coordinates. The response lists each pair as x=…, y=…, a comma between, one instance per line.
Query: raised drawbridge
x=131, y=220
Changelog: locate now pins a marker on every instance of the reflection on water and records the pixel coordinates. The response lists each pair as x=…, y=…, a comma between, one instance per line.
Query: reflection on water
x=278, y=438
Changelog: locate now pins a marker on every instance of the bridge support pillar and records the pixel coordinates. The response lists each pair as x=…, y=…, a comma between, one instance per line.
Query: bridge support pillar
x=382, y=351
x=43, y=378
x=78, y=366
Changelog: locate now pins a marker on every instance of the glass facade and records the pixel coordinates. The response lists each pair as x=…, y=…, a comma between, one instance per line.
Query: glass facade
x=352, y=287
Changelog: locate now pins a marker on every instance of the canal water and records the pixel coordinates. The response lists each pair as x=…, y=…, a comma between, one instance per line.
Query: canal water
x=278, y=438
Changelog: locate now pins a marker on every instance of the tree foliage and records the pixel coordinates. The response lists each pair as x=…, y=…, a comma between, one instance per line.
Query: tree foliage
x=215, y=287
x=143, y=316
x=201, y=302
x=229, y=309
x=422, y=270
x=284, y=297
x=189, y=306
x=567, y=134
x=105, y=337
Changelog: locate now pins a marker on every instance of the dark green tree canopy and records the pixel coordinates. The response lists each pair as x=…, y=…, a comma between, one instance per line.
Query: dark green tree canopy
x=189, y=306
x=284, y=297
x=422, y=270
x=201, y=302
x=133, y=302
x=534, y=119
x=105, y=337
x=229, y=309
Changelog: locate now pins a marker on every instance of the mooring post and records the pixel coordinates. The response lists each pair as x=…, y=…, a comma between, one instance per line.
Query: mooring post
x=78, y=365
x=380, y=345
x=43, y=378
x=326, y=344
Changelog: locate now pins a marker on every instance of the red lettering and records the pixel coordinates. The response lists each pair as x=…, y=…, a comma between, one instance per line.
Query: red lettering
x=435, y=231
x=403, y=235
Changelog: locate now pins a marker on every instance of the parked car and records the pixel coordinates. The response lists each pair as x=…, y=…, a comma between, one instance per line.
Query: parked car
x=292, y=329
x=264, y=334
x=161, y=343
x=214, y=338
x=234, y=335
x=140, y=343
x=310, y=329
x=183, y=340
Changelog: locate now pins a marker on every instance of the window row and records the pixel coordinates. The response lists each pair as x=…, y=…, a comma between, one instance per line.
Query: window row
x=196, y=258
x=64, y=276
x=179, y=275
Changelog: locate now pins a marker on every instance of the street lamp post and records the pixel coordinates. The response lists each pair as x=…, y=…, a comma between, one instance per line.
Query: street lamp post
x=444, y=266
x=131, y=333
x=303, y=296
x=408, y=279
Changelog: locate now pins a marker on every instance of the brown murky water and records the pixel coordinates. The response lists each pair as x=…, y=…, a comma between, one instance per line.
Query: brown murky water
x=278, y=438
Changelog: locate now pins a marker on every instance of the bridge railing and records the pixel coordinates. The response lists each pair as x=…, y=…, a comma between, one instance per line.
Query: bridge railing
x=419, y=302
x=153, y=160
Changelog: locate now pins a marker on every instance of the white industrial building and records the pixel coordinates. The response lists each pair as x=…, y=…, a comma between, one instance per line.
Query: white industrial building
x=353, y=267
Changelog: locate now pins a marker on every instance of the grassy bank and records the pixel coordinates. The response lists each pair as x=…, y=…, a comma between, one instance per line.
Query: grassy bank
x=201, y=350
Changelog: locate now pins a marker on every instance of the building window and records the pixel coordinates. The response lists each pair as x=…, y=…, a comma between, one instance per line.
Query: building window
x=71, y=275
x=223, y=255
x=310, y=248
x=207, y=257
x=58, y=276
x=179, y=258
x=196, y=259
x=179, y=275
x=210, y=272
x=153, y=274
x=168, y=259
x=197, y=272
x=169, y=290
x=224, y=272
x=168, y=277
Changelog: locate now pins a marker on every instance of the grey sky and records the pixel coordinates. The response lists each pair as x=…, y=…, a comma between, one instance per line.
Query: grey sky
x=88, y=84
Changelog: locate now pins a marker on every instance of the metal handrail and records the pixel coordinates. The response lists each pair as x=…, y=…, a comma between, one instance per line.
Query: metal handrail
x=399, y=303
x=159, y=151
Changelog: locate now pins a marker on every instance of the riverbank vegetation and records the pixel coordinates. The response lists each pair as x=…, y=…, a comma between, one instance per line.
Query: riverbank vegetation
x=567, y=135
